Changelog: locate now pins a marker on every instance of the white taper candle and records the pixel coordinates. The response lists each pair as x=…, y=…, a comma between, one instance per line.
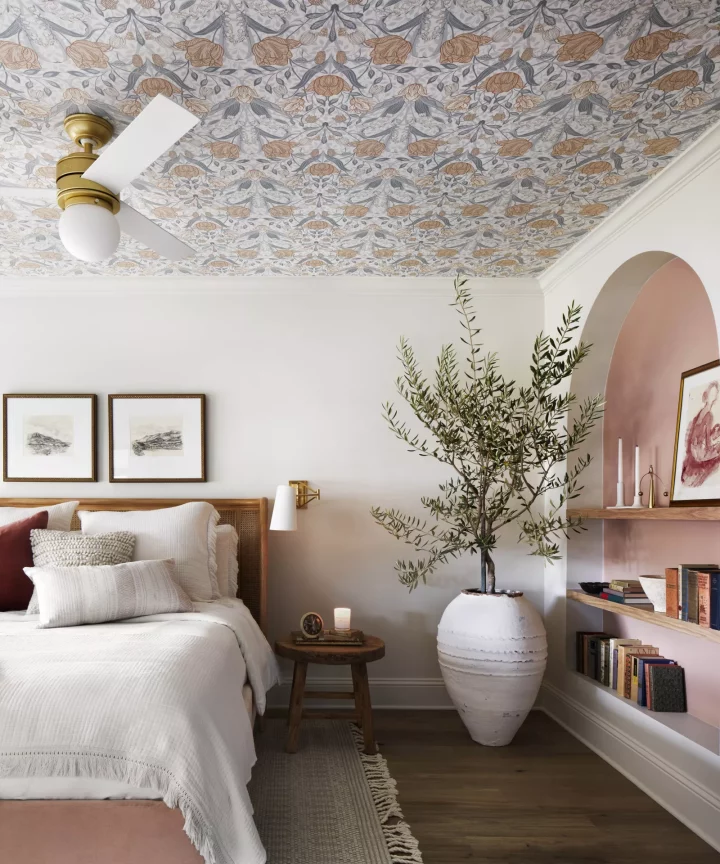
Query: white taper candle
x=637, y=469
x=620, y=462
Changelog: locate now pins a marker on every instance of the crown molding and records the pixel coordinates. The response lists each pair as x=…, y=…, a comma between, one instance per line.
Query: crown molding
x=49, y=286
x=700, y=156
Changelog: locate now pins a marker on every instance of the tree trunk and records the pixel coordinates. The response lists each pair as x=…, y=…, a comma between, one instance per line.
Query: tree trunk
x=487, y=573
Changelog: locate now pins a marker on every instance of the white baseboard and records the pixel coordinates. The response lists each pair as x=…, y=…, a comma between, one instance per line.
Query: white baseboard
x=418, y=693
x=665, y=780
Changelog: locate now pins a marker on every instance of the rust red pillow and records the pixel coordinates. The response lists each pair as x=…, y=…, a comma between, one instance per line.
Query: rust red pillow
x=15, y=553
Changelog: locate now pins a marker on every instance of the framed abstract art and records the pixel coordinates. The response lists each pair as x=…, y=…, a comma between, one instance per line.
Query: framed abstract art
x=696, y=463
x=157, y=438
x=49, y=438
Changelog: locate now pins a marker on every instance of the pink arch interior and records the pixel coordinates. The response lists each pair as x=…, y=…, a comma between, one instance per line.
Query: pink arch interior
x=669, y=329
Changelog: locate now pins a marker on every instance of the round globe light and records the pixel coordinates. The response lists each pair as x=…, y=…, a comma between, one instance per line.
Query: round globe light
x=89, y=231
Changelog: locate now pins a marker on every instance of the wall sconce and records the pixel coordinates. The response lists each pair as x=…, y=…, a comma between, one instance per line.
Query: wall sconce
x=288, y=500
x=304, y=494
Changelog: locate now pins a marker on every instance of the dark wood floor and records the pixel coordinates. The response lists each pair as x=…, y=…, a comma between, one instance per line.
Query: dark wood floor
x=544, y=799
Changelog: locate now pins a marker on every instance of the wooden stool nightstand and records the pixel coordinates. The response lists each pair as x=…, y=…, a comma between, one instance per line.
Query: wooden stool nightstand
x=355, y=656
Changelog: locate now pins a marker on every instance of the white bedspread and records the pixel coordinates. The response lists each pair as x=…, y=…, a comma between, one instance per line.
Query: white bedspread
x=153, y=702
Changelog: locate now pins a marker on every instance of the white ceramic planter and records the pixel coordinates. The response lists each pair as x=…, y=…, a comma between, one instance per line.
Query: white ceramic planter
x=492, y=650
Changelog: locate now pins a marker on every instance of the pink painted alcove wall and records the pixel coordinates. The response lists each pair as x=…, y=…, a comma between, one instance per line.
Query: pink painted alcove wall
x=669, y=329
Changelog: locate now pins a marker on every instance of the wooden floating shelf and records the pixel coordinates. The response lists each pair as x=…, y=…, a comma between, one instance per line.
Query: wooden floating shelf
x=667, y=514
x=648, y=617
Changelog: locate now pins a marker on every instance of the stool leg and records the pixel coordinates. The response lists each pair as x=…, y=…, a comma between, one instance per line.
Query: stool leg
x=357, y=692
x=296, y=706
x=367, y=722
x=292, y=690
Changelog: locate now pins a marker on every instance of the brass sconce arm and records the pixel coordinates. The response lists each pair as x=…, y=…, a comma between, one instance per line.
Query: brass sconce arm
x=304, y=493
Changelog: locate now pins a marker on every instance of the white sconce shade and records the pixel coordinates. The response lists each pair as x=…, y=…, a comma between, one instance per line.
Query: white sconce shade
x=284, y=515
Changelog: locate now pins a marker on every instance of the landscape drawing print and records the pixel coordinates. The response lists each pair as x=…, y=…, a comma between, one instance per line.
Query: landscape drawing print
x=48, y=435
x=156, y=436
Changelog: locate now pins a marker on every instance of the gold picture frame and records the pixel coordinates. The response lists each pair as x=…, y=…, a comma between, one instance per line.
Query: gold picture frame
x=156, y=437
x=52, y=440
x=704, y=430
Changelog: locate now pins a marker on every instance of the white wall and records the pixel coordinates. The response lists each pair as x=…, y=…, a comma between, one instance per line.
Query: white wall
x=676, y=214
x=295, y=372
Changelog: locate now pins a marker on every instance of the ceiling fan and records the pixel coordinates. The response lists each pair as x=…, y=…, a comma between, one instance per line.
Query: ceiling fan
x=89, y=185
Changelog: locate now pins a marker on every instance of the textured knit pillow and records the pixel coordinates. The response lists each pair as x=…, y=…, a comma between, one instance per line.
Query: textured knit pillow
x=91, y=595
x=73, y=549
x=187, y=534
x=227, y=561
x=15, y=555
x=59, y=515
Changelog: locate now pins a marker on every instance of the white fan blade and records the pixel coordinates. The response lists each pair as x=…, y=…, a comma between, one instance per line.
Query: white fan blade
x=29, y=193
x=150, y=234
x=149, y=135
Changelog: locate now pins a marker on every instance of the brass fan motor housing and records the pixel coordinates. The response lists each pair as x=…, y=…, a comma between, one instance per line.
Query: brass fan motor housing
x=88, y=131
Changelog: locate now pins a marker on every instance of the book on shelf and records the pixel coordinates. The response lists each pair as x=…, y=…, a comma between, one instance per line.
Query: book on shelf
x=641, y=600
x=642, y=664
x=715, y=600
x=581, y=649
x=593, y=661
x=634, y=651
x=604, y=665
x=688, y=594
x=692, y=592
x=616, y=592
x=703, y=592
x=666, y=688
x=634, y=677
x=672, y=607
x=614, y=644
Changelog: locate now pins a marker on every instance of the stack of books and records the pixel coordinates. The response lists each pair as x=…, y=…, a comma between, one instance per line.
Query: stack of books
x=635, y=671
x=692, y=594
x=629, y=592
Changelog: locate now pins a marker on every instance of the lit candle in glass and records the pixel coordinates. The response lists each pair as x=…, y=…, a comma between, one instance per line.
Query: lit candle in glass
x=342, y=619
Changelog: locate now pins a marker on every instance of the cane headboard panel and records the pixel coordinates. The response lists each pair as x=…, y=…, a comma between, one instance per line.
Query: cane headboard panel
x=249, y=517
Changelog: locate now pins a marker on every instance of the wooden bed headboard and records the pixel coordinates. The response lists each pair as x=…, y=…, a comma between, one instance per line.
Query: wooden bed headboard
x=248, y=516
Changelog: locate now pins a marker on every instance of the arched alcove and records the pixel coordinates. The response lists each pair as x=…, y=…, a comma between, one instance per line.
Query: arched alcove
x=651, y=321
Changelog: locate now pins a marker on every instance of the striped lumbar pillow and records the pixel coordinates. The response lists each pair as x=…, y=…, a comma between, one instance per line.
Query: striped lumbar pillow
x=90, y=595
x=73, y=549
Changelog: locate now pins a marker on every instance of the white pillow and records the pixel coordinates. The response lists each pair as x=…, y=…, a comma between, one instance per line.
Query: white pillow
x=227, y=561
x=90, y=595
x=73, y=549
x=187, y=534
x=59, y=515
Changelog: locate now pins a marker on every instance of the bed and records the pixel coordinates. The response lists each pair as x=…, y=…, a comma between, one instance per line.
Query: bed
x=178, y=766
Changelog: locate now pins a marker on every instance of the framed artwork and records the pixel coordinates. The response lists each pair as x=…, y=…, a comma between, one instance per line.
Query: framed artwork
x=157, y=439
x=49, y=438
x=696, y=463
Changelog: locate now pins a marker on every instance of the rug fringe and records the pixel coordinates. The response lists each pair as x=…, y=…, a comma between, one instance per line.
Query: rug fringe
x=402, y=845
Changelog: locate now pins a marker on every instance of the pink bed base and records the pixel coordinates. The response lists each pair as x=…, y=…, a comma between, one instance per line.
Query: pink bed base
x=93, y=832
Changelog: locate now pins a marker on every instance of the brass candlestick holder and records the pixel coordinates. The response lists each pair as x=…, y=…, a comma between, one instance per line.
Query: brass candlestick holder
x=651, y=490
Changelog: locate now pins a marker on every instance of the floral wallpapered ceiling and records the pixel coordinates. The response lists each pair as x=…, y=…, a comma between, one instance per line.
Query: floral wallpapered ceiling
x=380, y=137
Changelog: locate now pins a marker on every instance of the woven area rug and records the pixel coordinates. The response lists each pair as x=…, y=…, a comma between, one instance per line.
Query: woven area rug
x=328, y=803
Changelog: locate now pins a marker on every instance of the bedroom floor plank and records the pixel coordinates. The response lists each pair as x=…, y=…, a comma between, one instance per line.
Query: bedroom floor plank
x=546, y=799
